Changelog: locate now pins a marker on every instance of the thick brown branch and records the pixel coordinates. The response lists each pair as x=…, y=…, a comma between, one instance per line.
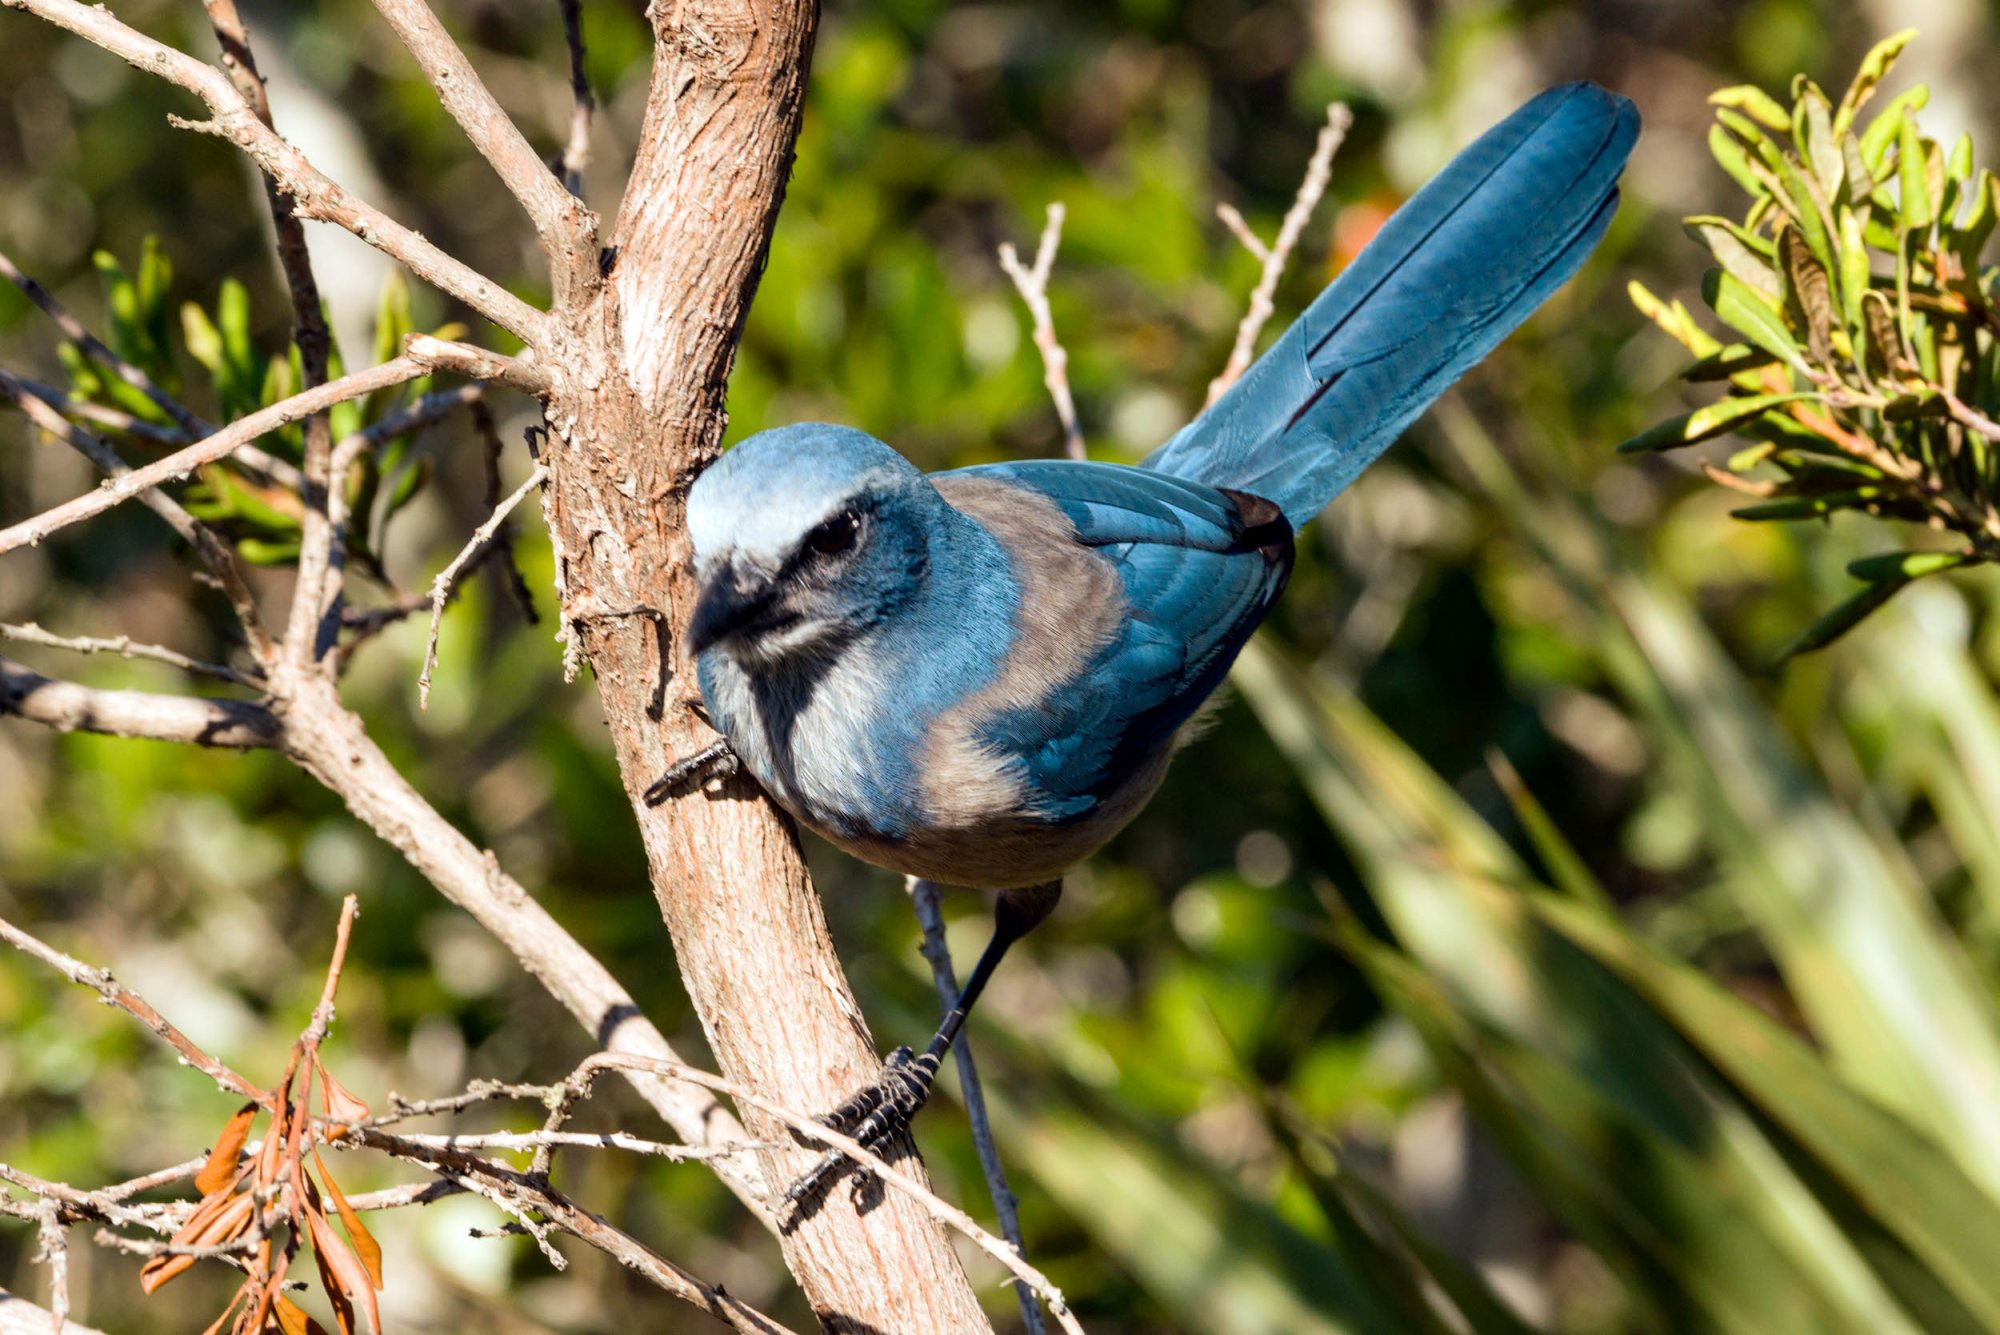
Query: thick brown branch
x=322, y=735
x=315, y=196
x=18, y=1316
x=67, y=707
x=566, y=229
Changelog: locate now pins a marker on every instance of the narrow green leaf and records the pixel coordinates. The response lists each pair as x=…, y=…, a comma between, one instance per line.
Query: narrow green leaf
x=1817, y=144
x=1753, y=102
x=1884, y=131
x=1817, y=506
x=1733, y=360
x=1728, y=151
x=1874, y=66
x=1843, y=618
x=1742, y=309
x=1707, y=422
x=1747, y=256
x=1913, y=206
x=201, y=338
x=1855, y=278
x=1674, y=319
x=1905, y=565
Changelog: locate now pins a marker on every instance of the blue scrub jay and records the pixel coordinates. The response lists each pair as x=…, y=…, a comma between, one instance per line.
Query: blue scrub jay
x=979, y=676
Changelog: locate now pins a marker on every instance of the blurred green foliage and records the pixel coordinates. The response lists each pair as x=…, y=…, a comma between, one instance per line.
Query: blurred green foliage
x=1512, y=949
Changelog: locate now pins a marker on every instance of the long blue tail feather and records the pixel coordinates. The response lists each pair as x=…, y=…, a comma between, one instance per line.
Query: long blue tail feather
x=1450, y=275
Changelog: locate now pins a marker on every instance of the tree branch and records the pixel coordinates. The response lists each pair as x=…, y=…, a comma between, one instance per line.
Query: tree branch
x=473, y=549
x=67, y=707
x=178, y=465
x=566, y=230
x=1275, y=256
x=576, y=152
x=315, y=196
x=126, y=647
x=332, y=745
x=1033, y=285
x=309, y=334
x=18, y=1316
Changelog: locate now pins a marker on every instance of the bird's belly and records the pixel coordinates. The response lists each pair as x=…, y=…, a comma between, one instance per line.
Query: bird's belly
x=1006, y=849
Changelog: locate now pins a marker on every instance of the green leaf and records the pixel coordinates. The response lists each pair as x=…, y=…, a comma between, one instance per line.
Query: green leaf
x=1816, y=506
x=1874, y=67
x=1885, y=130
x=1728, y=151
x=201, y=338
x=1815, y=140
x=1750, y=315
x=1707, y=422
x=1843, y=618
x=1905, y=565
x=1734, y=360
x=1855, y=278
x=1742, y=253
x=1674, y=319
x=1755, y=103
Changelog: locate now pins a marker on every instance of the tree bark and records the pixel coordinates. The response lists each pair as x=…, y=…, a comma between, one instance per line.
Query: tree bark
x=635, y=413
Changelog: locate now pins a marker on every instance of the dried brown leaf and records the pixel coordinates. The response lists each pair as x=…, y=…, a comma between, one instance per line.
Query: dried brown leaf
x=342, y=1271
x=293, y=1320
x=1811, y=290
x=365, y=1246
x=341, y=1104
x=220, y=1170
x=215, y=1221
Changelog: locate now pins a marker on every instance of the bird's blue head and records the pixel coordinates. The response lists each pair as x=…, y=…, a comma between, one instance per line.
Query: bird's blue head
x=804, y=538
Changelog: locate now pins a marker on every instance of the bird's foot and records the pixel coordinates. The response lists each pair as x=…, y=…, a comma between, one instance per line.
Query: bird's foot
x=715, y=761
x=874, y=1116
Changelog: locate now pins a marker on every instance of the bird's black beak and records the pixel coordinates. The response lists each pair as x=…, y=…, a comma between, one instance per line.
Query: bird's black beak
x=725, y=606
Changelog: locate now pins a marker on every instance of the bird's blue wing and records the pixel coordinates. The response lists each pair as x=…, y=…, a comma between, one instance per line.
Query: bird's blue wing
x=1468, y=258
x=1200, y=568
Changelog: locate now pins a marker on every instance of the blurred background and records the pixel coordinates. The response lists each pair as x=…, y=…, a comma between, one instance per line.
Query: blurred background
x=1518, y=948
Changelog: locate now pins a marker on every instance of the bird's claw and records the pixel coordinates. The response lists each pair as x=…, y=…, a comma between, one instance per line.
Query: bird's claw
x=876, y=1114
x=714, y=761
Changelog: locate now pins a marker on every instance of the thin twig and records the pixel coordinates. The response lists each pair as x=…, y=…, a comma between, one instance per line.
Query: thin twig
x=576, y=152
x=316, y=582
x=1033, y=285
x=441, y=586
x=924, y=898
x=98, y=351
x=1274, y=257
x=117, y=994
x=178, y=465
x=125, y=647
x=537, y=1141
x=316, y=196
x=566, y=230
x=814, y=1130
x=52, y=1250
x=214, y=554
x=189, y=428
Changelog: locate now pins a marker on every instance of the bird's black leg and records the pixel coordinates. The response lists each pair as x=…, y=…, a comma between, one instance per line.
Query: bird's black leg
x=884, y=1109
x=715, y=761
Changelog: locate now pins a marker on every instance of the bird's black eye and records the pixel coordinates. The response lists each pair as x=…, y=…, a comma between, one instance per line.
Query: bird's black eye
x=834, y=536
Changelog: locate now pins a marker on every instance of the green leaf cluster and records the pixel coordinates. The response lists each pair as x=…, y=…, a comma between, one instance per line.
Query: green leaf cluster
x=1865, y=361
